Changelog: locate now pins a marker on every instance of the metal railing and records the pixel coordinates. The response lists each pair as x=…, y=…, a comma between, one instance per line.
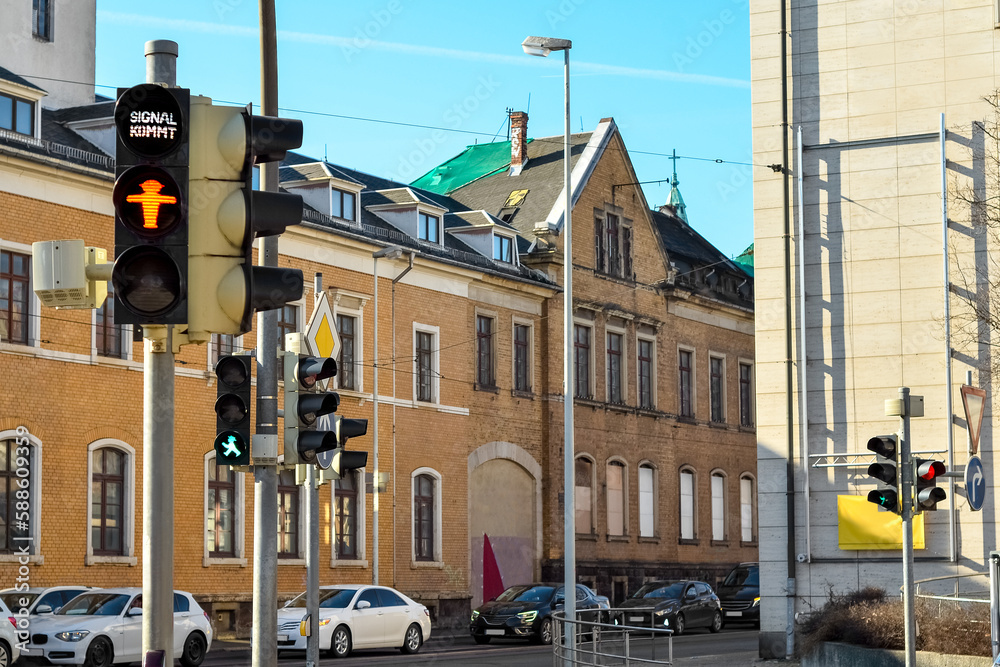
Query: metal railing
x=609, y=642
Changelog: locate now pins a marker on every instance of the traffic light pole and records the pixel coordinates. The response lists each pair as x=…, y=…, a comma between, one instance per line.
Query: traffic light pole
x=906, y=489
x=312, y=541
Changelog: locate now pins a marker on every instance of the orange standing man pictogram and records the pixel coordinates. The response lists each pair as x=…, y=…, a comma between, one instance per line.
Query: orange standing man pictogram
x=150, y=199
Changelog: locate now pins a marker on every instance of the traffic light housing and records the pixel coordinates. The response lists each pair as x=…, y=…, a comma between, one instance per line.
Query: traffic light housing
x=150, y=198
x=232, y=409
x=887, y=471
x=226, y=215
x=344, y=460
x=305, y=402
x=927, y=494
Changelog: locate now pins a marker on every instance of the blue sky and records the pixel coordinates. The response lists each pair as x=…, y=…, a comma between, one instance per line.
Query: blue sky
x=674, y=75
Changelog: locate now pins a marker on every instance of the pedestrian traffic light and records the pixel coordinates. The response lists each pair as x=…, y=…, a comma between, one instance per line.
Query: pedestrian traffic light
x=305, y=402
x=150, y=198
x=232, y=408
x=928, y=494
x=886, y=471
x=344, y=460
x=227, y=214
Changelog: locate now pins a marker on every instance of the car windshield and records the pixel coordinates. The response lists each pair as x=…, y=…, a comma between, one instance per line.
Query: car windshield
x=659, y=590
x=743, y=576
x=95, y=604
x=18, y=601
x=336, y=598
x=526, y=594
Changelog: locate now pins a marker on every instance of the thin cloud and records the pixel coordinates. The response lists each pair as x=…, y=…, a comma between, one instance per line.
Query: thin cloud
x=122, y=18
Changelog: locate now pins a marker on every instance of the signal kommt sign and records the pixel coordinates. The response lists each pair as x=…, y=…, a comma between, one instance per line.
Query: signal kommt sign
x=151, y=120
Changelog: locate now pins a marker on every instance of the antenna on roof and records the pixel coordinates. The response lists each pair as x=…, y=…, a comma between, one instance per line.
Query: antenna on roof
x=324, y=153
x=581, y=123
x=528, y=110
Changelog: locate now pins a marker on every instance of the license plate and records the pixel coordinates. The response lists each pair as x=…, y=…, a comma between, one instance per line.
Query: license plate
x=495, y=632
x=734, y=613
x=282, y=638
x=31, y=651
x=635, y=618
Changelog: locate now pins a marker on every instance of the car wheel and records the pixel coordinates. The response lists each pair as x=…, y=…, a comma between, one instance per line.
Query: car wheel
x=99, y=653
x=340, y=643
x=412, y=639
x=545, y=631
x=716, y=622
x=482, y=639
x=679, y=625
x=194, y=650
x=4, y=655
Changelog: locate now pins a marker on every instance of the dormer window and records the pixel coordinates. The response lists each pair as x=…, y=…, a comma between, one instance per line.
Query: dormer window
x=17, y=115
x=503, y=249
x=342, y=204
x=427, y=228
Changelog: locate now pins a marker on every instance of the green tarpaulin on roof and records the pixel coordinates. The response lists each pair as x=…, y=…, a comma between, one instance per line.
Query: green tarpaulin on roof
x=474, y=162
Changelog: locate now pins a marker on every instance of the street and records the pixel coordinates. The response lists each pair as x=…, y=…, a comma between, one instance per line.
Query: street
x=735, y=647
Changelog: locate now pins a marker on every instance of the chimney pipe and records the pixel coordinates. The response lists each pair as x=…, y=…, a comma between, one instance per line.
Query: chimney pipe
x=518, y=142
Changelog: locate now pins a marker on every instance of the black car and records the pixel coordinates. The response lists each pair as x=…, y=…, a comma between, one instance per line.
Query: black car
x=526, y=611
x=672, y=605
x=740, y=594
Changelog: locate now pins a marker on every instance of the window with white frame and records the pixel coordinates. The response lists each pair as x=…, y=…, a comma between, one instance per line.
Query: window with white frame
x=346, y=521
x=615, y=367
x=427, y=227
x=110, y=339
x=746, y=394
x=18, y=496
x=288, y=322
x=111, y=496
x=223, y=510
x=646, y=372
x=718, y=507
x=688, y=525
x=347, y=363
x=15, y=294
x=289, y=504
x=342, y=204
x=503, y=248
x=485, y=352
x=746, y=509
x=647, y=500
x=17, y=115
x=717, y=388
x=426, y=511
x=425, y=360
x=522, y=356
x=616, y=498
x=584, y=495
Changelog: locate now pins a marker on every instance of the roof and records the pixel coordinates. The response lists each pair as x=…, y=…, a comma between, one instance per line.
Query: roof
x=312, y=171
x=396, y=196
x=7, y=75
x=60, y=144
x=745, y=260
x=473, y=163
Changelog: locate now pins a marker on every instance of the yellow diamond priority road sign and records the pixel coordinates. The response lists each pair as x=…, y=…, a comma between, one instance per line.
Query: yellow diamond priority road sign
x=322, y=339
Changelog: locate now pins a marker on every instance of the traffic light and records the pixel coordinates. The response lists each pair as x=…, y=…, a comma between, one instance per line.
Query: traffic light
x=344, y=460
x=226, y=215
x=305, y=402
x=928, y=494
x=150, y=197
x=232, y=407
x=887, y=472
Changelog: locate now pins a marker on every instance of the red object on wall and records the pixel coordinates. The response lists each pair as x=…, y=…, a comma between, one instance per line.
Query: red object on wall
x=492, y=581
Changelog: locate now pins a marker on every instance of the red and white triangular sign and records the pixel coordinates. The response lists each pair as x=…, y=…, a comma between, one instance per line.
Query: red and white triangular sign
x=974, y=400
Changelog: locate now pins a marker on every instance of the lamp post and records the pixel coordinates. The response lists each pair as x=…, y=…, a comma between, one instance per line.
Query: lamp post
x=391, y=252
x=543, y=46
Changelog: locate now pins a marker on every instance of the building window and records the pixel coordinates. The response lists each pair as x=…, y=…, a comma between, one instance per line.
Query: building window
x=346, y=516
x=288, y=322
x=718, y=507
x=687, y=505
x=522, y=357
x=645, y=373
x=485, y=374
x=17, y=115
x=109, y=340
x=614, y=254
x=107, y=511
x=581, y=360
x=15, y=501
x=647, y=501
x=220, y=517
x=427, y=228
x=616, y=498
x=14, y=295
x=423, y=517
x=584, y=497
x=746, y=509
x=503, y=249
x=342, y=204
x=346, y=363
x=746, y=395
x=426, y=375
x=288, y=515
x=717, y=388
x=615, y=370
x=222, y=345
x=684, y=372
x=41, y=19
x=613, y=245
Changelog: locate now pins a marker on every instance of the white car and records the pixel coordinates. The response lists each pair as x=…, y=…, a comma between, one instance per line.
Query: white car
x=8, y=637
x=102, y=627
x=357, y=616
x=40, y=600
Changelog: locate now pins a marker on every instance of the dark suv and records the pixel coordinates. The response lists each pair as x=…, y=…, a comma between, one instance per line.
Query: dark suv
x=739, y=593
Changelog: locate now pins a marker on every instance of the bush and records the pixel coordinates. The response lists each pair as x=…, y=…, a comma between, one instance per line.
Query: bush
x=869, y=618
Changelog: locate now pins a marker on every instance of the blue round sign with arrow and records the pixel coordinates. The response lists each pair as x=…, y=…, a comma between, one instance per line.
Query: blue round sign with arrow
x=975, y=483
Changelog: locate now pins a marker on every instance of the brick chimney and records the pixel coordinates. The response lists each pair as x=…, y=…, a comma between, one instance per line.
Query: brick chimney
x=518, y=141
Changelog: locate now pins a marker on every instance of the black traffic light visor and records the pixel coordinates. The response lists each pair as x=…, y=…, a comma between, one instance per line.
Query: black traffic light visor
x=883, y=445
x=313, y=369
x=232, y=371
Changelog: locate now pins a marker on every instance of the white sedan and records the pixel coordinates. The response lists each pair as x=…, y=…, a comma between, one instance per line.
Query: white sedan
x=357, y=616
x=9, y=640
x=104, y=627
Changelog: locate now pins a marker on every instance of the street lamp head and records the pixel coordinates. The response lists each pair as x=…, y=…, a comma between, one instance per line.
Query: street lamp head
x=543, y=46
x=390, y=252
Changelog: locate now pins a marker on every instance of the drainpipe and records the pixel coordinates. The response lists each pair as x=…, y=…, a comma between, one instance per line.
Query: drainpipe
x=394, y=541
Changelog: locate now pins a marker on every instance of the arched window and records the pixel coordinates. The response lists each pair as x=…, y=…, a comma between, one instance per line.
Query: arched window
x=747, y=505
x=617, y=517
x=220, y=513
x=107, y=502
x=424, y=517
x=689, y=525
x=288, y=515
x=346, y=516
x=718, y=506
x=584, y=496
x=647, y=500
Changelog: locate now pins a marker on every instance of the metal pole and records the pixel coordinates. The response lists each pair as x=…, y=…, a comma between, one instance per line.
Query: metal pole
x=569, y=472
x=994, y=601
x=906, y=489
x=312, y=542
x=264, y=647
x=158, y=443
x=375, y=432
x=952, y=512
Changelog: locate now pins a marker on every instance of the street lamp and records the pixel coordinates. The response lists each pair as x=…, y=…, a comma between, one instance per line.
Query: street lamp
x=543, y=46
x=390, y=252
